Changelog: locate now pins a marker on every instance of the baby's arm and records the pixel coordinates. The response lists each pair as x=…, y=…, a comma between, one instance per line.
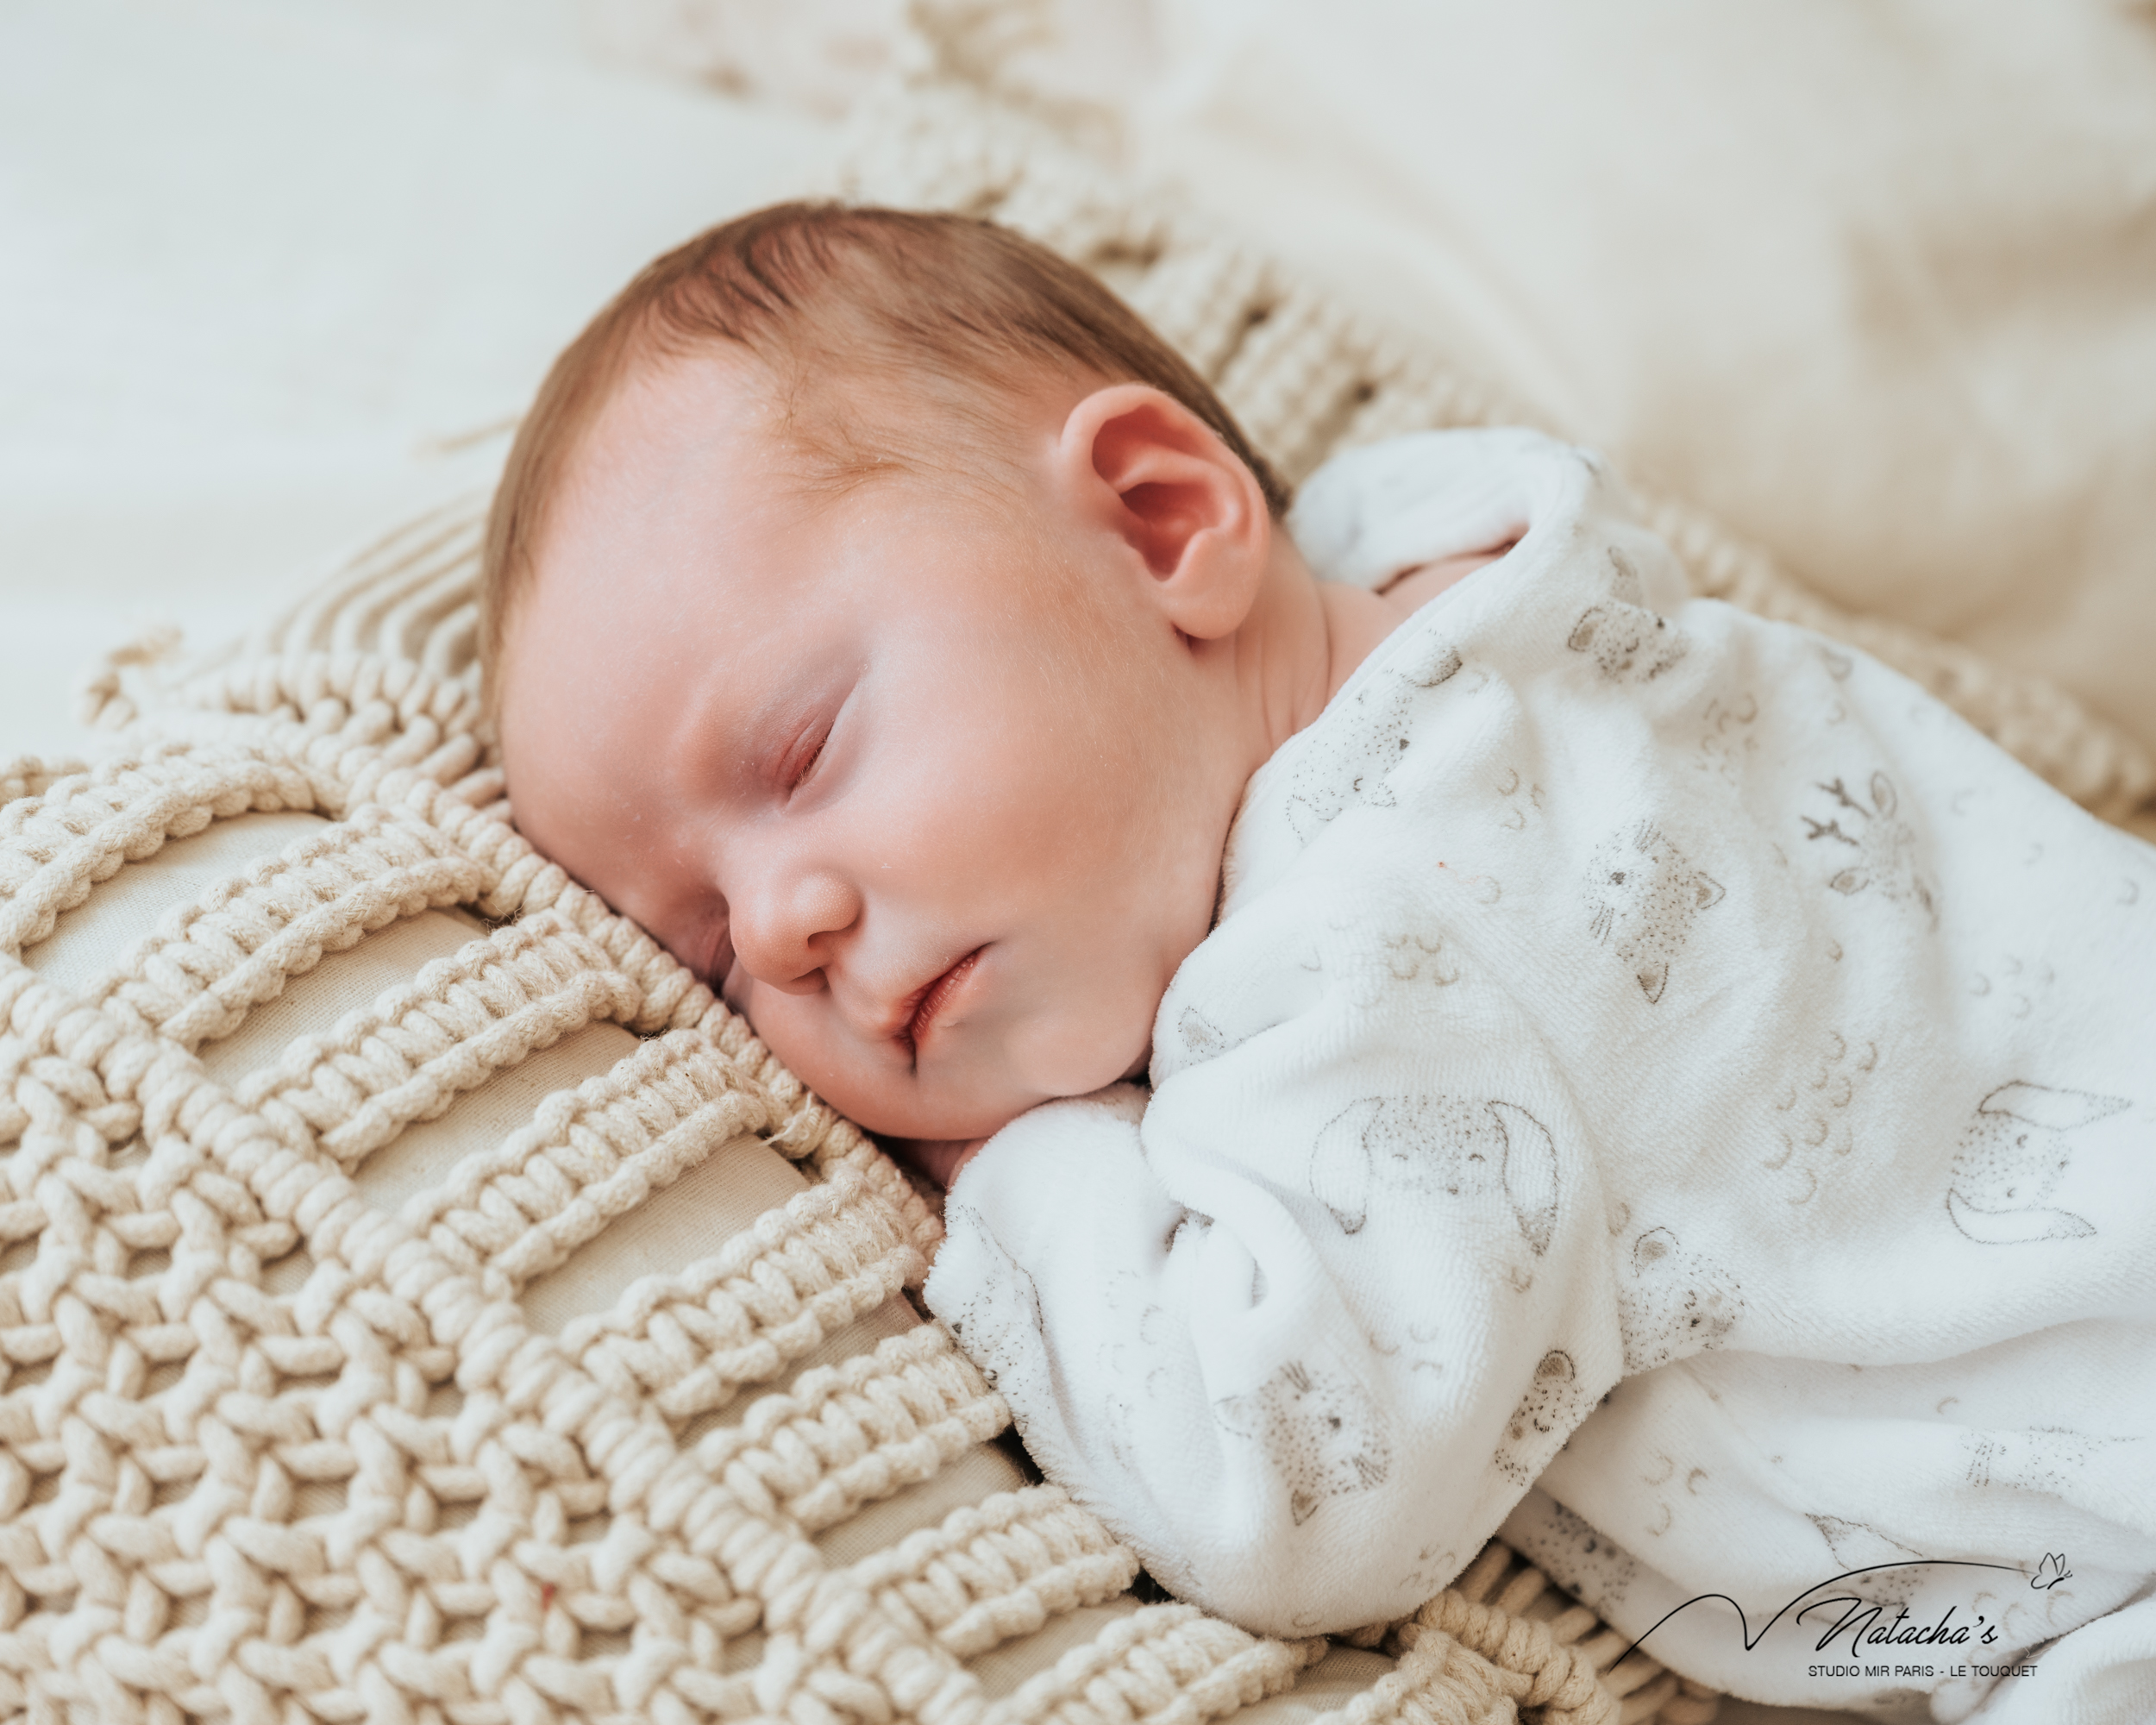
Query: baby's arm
x=1301, y=1427
x=1412, y=589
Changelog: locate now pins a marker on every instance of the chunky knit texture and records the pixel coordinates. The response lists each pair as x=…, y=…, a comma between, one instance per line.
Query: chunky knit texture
x=272, y=1449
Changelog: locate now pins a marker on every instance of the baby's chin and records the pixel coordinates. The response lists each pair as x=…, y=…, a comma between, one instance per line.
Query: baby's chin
x=952, y=1118
x=929, y=1112
x=901, y=1108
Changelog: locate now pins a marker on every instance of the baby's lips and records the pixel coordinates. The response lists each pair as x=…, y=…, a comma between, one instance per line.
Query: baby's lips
x=898, y=1022
x=929, y=1000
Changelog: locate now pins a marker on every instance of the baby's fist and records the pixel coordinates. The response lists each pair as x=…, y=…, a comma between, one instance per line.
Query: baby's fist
x=937, y=1160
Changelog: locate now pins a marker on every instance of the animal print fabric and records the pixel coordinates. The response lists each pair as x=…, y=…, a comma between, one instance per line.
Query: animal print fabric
x=1644, y=1053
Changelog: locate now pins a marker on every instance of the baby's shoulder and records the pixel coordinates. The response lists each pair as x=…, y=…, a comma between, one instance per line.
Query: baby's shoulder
x=1371, y=513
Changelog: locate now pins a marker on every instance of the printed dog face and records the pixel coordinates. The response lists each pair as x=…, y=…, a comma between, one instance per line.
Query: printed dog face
x=1481, y=1153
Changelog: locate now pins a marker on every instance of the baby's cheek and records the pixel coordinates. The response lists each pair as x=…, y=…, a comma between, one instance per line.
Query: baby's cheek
x=734, y=990
x=791, y=1034
x=764, y=1010
x=836, y=1068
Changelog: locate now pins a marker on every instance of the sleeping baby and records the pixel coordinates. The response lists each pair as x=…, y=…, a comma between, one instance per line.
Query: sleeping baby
x=1467, y=1038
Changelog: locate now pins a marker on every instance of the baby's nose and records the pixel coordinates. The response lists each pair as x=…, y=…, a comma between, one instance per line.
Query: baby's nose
x=782, y=934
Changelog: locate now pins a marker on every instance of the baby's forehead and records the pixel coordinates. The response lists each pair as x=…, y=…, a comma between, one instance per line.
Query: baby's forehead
x=696, y=503
x=666, y=413
x=678, y=422
x=713, y=447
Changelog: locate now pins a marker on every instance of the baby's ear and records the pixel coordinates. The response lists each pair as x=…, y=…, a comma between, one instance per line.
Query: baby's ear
x=1161, y=478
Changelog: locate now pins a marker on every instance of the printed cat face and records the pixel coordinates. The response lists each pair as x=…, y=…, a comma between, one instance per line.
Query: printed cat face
x=1321, y=1433
x=1643, y=895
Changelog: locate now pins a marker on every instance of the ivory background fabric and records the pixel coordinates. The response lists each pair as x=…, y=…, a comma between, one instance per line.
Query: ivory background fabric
x=273, y=279
x=266, y=269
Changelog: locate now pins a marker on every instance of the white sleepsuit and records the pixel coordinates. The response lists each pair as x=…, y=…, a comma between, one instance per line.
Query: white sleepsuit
x=1660, y=1084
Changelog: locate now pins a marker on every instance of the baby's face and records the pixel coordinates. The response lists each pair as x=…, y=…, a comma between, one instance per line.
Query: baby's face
x=922, y=784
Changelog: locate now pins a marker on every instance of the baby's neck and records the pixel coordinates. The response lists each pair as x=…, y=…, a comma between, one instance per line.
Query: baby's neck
x=1302, y=641
x=1356, y=621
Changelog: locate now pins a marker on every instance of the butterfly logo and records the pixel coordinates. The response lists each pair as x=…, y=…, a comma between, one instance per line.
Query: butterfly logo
x=2050, y=1572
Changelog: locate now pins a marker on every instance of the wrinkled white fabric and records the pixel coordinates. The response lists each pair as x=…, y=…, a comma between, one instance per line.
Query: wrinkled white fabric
x=1633, y=1022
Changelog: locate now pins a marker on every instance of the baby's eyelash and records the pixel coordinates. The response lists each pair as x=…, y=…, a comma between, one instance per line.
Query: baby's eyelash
x=805, y=763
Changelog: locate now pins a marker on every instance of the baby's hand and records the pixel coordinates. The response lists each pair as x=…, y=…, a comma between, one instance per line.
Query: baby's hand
x=1412, y=589
x=937, y=1159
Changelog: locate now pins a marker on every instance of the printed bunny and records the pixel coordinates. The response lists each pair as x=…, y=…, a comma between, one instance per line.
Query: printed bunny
x=1476, y=1151
x=2011, y=1158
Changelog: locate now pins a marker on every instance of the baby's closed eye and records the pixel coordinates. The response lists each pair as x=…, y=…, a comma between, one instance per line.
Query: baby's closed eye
x=800, y=759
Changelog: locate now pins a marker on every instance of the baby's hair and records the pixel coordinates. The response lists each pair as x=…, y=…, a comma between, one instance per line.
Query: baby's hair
x=953, y=311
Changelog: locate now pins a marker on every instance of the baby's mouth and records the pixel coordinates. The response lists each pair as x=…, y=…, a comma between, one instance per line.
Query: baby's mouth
x=928, y=999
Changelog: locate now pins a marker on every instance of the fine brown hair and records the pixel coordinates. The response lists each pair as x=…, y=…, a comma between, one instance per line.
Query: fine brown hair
x=954, y=311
